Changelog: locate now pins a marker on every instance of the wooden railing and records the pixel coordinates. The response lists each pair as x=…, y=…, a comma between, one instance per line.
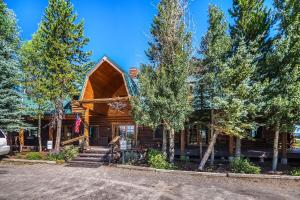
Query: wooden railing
x=73, y=140
x=113, y=145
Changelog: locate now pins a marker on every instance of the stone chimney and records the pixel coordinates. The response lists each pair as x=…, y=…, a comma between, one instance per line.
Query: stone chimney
x=133, y=72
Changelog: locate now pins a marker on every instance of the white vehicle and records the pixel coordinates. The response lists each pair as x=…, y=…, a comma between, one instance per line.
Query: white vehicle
x=4, y=148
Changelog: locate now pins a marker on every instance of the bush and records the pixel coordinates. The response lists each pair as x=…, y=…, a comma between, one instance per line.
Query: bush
x=35, y=156
x=54, y=156
x=295, y=172
x=157, y=160
x=240, y=165
x=68, y=153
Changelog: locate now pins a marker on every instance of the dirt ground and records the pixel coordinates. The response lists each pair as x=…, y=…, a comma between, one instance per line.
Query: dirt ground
x=104, y=182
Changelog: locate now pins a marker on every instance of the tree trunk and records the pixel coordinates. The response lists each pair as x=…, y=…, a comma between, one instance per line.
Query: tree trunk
x=238, y=147
x=164, y=141
x=182, y=145
x=171, y=145
x=200, y=142
x=39, y=132
x=208, y=151
x=212, y=156
x=59, y=125
x=284, y=148
x=275, y=148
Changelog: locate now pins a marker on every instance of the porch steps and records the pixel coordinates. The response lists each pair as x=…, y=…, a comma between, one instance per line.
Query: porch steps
x=93, y=157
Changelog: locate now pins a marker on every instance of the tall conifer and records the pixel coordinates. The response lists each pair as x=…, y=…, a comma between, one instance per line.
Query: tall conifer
x=10, y=99
x=282, y=103
x=62, y=49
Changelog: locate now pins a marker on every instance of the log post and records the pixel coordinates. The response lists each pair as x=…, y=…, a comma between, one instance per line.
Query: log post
x=231, y=148
x=136, y=134
x=182, y=145
x=284, y=149
x=50, y=133
x=86, y=126
x=21, y=139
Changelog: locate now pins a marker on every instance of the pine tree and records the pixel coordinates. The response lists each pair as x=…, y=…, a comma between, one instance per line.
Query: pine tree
x=214, y=49
x=164, y=92
x=62, y=49
x=252, y=23
x=282, y=96
x=10, y=99
x=32, y=81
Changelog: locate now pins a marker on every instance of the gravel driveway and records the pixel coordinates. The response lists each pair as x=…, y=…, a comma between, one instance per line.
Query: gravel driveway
x=62, y=182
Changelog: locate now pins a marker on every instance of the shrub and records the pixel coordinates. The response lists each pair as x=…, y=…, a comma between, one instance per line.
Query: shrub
x=54, y=156
x=157, y=160
x=68, y=153
x=35, y=156
x=240, y=165
x=295, y=172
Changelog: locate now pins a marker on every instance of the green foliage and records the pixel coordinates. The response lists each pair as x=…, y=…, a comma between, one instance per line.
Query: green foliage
x=241, y=165
x=164, y=91
x=157, y=160
x=35, y=156
x=68, y=153
x=10, y=98
x=55, y=61
x=54, y=156
x=252, y=21
x=295, y=172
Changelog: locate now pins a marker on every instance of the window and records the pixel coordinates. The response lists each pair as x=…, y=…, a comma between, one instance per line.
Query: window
x=2, y=134
x=158, y=132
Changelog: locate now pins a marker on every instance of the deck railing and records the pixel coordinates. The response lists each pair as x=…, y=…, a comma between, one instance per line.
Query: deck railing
x=79, y=138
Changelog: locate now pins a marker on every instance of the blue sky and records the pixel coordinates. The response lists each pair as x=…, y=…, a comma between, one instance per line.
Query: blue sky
x=116, y=28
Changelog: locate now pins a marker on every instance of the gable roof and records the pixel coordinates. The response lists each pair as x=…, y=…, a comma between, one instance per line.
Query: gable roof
x=130, y=85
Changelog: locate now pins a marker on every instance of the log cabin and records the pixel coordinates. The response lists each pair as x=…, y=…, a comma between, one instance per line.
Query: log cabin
x=105, y=110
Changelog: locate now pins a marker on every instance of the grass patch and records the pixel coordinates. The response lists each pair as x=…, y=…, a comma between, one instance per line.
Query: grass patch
x=35, y=156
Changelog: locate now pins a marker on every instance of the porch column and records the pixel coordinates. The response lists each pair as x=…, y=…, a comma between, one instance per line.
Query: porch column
x=21, y=139
x=86, y=126
x=231, y=147
x=50, y=133
x=136, y=134
x=182, y=145
x=284, y=148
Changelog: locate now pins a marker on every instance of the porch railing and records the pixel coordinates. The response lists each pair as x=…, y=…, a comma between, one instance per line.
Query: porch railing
x=79, y=138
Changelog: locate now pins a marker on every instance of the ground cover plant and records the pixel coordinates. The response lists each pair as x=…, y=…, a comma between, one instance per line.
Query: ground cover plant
x=295, y=172
x=242, y=165
x=157, y=160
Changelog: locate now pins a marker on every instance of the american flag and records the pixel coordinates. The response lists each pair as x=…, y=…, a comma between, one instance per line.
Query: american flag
x=77, y=124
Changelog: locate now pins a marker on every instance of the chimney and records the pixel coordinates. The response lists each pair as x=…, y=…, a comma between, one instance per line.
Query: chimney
x=133, y=72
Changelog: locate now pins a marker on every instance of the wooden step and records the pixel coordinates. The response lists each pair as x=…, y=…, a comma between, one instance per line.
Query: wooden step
x=98, y=155
x=92, y=159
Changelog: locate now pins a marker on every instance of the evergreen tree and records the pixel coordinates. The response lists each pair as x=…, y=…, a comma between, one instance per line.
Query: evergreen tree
x=252, y=23
x=10, y=99
x=164, y=91
x=62, y=43
x=214, y=48
x=282, y=96
x=33, y=78
x=229, y=80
